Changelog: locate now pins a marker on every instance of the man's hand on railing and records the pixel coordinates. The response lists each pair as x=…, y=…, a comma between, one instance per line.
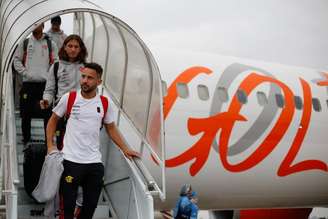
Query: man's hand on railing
x=116, y=137
x=131, y=154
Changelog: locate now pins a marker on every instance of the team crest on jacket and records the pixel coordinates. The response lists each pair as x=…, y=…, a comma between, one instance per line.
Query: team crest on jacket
x=69, y=179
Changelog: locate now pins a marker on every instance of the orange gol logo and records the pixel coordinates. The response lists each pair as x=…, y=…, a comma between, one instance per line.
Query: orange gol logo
x=225, y=121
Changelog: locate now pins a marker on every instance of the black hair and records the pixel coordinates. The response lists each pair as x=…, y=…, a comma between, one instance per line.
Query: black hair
x=56, y=19
x=94, y=66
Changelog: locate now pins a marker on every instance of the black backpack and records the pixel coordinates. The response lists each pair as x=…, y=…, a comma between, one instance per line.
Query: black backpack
x=25, y=44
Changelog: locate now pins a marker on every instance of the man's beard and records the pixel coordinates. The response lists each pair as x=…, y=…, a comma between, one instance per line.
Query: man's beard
x=87, y=89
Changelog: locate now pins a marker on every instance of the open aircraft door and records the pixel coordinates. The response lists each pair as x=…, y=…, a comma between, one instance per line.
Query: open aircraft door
x=133, y=83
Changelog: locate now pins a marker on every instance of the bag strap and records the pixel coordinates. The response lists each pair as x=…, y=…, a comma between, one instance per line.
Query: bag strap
x=71, y=100
x=25, y=44
x=49, y=44
x=56, y=66
x=178, y=212
x=104, y=102
x=70, y=103
x=51, y=58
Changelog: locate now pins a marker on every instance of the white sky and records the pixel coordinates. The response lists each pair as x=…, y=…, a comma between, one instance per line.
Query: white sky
x=293, y=32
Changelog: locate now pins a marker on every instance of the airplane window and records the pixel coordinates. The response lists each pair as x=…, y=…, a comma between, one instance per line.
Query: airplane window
x=223, y=94
x=298, y=102
x=261, y=98
x=164, y=88
x=242, y=97
x=280, y=100
x=316, y=104
x=182, y=90
x=203, y=92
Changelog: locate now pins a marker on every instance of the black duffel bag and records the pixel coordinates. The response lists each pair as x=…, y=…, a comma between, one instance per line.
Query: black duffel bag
x=34, y=155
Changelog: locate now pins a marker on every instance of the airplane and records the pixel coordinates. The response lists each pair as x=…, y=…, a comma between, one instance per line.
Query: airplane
x=245, y=134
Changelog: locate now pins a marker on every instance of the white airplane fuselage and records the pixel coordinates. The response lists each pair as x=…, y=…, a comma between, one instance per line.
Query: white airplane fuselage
x=268, y=152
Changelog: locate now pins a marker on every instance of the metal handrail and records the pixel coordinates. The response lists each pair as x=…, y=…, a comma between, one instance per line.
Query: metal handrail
x=136, y=167
x=142, y=175
x=8, y=152
x=93, y=36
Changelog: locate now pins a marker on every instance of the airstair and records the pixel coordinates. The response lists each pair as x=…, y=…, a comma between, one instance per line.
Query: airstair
x=126, y=194
x=132, y=82
x=128, y=186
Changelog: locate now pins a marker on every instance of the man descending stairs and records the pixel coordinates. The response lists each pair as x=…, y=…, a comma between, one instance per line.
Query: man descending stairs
x=27, y=206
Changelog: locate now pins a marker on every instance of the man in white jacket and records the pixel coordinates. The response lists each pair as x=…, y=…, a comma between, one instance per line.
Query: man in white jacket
x=64, y=77
x=55, y=33
x=32, y=60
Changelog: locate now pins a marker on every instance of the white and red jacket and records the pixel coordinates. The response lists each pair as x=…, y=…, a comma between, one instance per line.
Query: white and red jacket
x=34, y=64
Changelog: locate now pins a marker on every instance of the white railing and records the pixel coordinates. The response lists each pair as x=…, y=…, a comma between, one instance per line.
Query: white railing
x=125, y=186
x=9, y=166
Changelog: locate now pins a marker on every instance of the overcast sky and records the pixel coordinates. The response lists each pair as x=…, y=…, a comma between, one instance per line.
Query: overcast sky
x=293, y=32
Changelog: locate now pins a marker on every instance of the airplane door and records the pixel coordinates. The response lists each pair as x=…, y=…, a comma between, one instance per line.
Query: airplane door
x=132, y=79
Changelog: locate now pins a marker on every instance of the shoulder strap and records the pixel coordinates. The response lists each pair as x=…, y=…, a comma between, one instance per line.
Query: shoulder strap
x=178, y=209
x=71, y=100
x=70, y=103
x=56, y=66
x=51, y=58
x=25, y=44
x=104, y=102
